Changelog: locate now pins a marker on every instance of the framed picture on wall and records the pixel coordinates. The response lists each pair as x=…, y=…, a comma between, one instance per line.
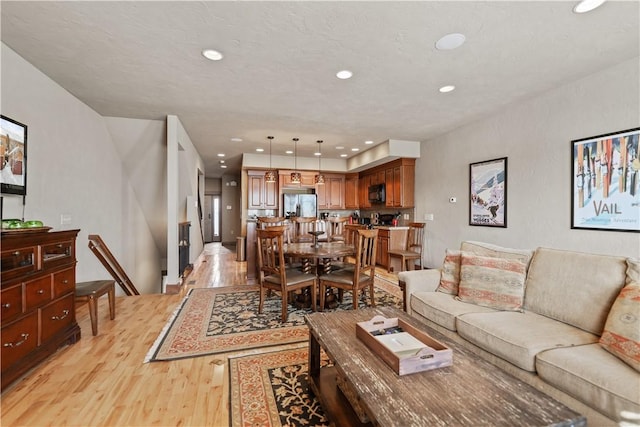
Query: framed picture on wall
x=605, y=190
x=488, y=193
x=13, y=156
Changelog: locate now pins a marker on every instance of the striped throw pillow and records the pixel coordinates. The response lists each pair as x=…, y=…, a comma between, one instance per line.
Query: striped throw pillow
x=492, y=282
x=621, y=335
x=450, y=274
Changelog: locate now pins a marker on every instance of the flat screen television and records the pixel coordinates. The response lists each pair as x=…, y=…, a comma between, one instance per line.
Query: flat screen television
x=13, y=156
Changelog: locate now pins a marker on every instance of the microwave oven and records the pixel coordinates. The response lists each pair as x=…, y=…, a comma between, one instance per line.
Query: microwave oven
x=376, y=193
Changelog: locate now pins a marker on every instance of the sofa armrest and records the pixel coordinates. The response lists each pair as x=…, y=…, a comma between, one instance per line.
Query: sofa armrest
x=417, y=281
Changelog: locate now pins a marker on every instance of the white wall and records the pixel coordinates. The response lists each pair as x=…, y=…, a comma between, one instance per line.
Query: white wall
x=185, y=186
x=74, y=168
x=535, y=135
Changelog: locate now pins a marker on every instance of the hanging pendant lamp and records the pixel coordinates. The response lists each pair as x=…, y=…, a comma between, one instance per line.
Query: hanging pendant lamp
x=270, y=175
x=296, y=177
x=319, y=178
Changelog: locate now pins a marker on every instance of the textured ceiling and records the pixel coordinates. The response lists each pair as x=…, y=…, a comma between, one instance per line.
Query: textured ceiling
x=142, y=60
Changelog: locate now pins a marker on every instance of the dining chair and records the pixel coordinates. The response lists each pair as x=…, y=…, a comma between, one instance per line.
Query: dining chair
x=272, y=221
x=337, y=231
x=274, y=276
x=350, y=238
x=361, y=277
x=302, y=226
x=412, y=248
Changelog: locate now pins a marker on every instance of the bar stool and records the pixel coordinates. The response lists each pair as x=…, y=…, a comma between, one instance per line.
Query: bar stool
x=412, y=248
x=90, y=292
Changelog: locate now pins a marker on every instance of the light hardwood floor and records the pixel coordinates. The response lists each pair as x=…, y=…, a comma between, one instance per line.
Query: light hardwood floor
x=102, y=380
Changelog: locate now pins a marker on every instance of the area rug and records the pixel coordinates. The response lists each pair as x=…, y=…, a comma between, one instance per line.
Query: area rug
x=226, y=319
x=271, y=389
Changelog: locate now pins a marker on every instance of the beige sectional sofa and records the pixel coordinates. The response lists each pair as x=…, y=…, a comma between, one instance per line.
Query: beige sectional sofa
x=550, y=337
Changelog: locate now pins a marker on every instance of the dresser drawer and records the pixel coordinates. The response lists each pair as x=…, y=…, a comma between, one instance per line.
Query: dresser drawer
x=10, y=302
x=56, y=316
x=64, y=282
x=19, y=339
x=59, y=253
x=15, y=263
x=37, y=292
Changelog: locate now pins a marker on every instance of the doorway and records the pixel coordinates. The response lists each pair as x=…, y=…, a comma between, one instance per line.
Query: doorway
x=211, y=219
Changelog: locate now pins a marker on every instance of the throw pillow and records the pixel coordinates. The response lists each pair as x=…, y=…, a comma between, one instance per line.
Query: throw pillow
x=450, y=274
x=621, y=335
x=633, y=271
x=492, y=282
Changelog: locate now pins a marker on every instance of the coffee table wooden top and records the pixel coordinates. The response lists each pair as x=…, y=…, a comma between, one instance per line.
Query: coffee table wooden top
x=472, y=392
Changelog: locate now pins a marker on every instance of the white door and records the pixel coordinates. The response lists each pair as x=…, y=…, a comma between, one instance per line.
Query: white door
x=211, y=219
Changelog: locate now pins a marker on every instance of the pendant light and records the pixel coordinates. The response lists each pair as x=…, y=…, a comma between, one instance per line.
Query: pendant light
x=296, y=177
x=270, y=175
x=319, y=179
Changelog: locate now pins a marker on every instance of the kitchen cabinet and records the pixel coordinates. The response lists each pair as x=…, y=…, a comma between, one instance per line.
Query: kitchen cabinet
x=261, y=194
x=400, y=184
x=331, y=193
x=307, y=179
x=351, y=194
x=363, y=184
x=38, y=298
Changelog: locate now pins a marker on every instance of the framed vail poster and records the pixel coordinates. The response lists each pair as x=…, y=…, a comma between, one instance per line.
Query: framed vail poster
x=13, y=156
x=488, y=193
x=605, y=190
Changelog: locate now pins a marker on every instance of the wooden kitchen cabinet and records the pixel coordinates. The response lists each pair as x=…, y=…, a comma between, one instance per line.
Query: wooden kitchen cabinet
x=331, y=193
x=307, y=179
x=351, y=193
x=382, y=248
x=37, y=300
x=398, y=178
x=261, y=194
x=389, y=238
x=363, y=184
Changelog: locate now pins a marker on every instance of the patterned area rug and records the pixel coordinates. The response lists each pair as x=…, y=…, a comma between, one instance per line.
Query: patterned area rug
x=271, y=389
x=221, y=320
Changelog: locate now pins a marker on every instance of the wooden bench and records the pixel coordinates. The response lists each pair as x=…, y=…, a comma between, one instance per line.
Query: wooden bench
x=90, y=292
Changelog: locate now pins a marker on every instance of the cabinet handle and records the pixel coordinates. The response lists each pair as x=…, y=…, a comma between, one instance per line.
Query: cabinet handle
x=59, y=245
x=6, y=305
x=65, y=313
x=18, y=343
x=65, y=281
x=40, y=291
x=16, y=253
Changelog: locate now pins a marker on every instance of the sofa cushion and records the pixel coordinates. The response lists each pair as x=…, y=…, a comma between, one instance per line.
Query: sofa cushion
x=633, y=271
x=573, y=287
x=442, y=309
x=492, y=282
x=487, y=249
x=621, y=335
x=518, y=337
x=593, y=376
x=450, y=274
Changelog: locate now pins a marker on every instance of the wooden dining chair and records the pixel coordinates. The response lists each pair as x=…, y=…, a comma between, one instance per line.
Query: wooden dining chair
x=412, y=248
x=361, y=277
x=337, y=230
x=272, y=221
x=350, y=238
x=274, y=276
x=302, y=226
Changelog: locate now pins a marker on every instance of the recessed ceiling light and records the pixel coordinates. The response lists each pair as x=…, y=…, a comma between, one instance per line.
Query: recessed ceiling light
x=355, y=149
x=223, y=166
x=339, y=147
x=236, y=139
x=259, y=150
x=368, y=142
x=221, y=161
x=317, y=154
x=344, y=74
x=448, y=88
x=220, y=154
x=343, y=155
x=211, y=54
x=289, y=152
x=450, y=41
x=587, y=5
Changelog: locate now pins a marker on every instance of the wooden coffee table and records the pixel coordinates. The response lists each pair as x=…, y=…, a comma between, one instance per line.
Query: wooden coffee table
x=472, y=392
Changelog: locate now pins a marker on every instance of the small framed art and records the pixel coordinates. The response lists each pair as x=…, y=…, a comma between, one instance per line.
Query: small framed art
x=13, y=156
x=488, y=193
x=605, y=188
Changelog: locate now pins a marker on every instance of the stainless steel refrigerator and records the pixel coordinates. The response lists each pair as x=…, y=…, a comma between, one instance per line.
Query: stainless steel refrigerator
x=305, y=205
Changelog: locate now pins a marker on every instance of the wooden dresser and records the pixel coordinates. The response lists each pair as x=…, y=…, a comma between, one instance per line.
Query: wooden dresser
x=37, y=300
